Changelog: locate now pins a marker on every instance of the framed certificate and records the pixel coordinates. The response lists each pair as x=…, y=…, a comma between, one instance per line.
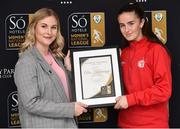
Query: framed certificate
x=97, y=76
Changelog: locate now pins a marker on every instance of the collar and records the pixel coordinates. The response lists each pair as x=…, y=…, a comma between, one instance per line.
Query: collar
x=138, y=44
x=37, y=54
x=40, y=57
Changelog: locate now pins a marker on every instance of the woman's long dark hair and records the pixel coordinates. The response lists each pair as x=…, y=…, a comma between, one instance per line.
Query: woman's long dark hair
x=134, y=7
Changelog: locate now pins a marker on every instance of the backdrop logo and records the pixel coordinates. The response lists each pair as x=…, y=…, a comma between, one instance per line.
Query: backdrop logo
x=15, y=28
x=159, y=25
x=94, y=115
x=86, y=29
x=157, y=20
x=6, y=73
x=13, y=115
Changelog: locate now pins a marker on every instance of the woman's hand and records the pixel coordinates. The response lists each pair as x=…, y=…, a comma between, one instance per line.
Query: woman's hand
x=67, y=61
x=80, y=108
x=121, y=103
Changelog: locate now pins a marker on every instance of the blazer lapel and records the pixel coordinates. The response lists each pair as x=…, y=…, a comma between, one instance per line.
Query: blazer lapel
x=62, y=66
x=46, y=67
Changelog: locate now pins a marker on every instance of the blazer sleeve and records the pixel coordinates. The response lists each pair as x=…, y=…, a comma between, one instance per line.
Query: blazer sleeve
x=25, y=78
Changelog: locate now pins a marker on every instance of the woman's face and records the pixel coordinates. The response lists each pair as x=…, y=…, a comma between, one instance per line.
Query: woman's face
x=46, y=31
x=131, y=26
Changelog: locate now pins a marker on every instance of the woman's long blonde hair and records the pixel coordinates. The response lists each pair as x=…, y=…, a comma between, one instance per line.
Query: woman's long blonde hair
x=57, y=45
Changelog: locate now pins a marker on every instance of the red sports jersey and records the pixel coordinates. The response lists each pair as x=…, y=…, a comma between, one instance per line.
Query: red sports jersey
x=146, y=70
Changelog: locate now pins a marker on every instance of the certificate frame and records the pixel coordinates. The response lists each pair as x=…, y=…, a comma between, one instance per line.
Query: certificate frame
x=97, y=75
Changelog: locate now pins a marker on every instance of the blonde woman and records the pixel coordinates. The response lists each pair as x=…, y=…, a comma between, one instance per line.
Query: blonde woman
x=41, y=77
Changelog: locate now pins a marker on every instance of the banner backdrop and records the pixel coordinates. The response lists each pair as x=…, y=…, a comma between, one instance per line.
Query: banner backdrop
x=84, y=24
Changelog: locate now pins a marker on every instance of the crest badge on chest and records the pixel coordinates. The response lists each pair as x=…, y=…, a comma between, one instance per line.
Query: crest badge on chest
x=141, y=63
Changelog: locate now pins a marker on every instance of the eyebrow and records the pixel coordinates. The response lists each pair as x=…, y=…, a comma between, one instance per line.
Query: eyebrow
x=47, y=24
x=128, y=22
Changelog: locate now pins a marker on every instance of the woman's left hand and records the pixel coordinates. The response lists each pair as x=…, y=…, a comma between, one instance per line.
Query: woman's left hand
x=121, y=102
x=67, y=61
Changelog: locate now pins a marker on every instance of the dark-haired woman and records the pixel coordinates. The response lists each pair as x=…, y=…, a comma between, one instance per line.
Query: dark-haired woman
x=146, y=70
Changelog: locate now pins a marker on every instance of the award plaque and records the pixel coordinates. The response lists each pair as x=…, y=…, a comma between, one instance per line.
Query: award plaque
x=97, y=76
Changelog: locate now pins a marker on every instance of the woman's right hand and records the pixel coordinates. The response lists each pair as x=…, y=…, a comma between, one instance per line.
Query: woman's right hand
x=80, y=108
x=67, y=61
x=121, y=102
